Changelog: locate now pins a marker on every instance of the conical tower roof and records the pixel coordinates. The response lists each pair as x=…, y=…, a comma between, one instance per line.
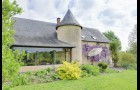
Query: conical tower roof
x=69, y=19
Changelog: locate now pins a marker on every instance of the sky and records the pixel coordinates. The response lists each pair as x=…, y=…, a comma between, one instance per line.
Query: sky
x=118, y=16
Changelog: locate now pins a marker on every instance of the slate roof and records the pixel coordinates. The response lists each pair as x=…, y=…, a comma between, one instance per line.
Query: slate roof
x=89, y=33
x=36, y=33
x=43, y=34
x=69, y=19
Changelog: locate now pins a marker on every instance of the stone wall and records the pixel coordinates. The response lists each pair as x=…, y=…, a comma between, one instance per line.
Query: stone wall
x=72, y=34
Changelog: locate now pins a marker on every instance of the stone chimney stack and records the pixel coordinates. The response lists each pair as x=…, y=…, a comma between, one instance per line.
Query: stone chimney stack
x=58, y=21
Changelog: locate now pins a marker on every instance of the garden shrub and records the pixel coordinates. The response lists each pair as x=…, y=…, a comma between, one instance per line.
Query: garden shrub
x=69, y=71
x=54, y=76
x=130, y=66
x=21, y=79
x=49, y=69
x=85, y=74
x=91, y=69
x=5, y=87
x=127, y=60
x=42, y=73
x=103, y=66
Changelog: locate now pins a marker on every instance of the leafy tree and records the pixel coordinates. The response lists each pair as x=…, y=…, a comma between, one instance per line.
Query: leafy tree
x=112, y=37
x=115, y=45
x=114, y=52
x=10, y=59
x=133, y=41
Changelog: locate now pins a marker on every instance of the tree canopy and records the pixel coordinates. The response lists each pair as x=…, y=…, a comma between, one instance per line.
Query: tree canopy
x=10, y=59
x=133, y=41
x=112, y=37
x=115, y=45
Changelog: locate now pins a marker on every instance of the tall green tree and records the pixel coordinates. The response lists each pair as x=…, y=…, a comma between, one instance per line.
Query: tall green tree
x=114, y=52
x=112, y=37
x=115, y=45
x=133, y=41
x=10, y=59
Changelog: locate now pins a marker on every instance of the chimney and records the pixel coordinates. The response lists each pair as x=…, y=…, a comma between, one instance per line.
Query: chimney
x=58, y=21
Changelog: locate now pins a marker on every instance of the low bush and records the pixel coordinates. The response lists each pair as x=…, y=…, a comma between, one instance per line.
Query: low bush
x=54, y=76
x=90, y=69
x=41, y=73
x=5, y=87
x=126, y=58
x=130, y=66
x=21, y=79
x=42, y=76
x=85, y=74
x=69, y=71
x=103, y=66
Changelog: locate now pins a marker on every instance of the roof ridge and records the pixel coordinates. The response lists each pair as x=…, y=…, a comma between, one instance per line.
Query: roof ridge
x=33, y=20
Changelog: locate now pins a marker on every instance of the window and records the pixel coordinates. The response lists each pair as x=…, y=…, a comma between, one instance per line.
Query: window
x=83, y=36
x=45, y=56
x=93, y=37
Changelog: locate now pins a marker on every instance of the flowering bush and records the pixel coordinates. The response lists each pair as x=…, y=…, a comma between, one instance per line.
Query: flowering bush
x=69, y=71
x=87, y=48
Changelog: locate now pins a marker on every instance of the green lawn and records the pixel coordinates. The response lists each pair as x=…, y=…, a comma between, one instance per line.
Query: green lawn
x=126, y=80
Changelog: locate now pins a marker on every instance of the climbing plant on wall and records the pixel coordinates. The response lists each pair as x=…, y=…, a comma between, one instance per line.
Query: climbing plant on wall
x=87, y=48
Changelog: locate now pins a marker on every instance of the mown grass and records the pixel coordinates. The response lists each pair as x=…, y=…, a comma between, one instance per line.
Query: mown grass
x=126, y=80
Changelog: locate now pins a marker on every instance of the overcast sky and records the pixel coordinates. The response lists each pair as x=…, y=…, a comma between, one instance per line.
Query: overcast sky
x=120, y=16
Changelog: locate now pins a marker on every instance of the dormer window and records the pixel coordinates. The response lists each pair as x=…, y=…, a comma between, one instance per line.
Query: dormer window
x=93, y=37
x=83, y=36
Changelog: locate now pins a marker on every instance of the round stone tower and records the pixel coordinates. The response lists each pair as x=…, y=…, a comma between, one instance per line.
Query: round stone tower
x=69, y=30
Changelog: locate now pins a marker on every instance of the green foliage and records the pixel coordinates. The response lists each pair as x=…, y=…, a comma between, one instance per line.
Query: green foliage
x=54, y=76
x=133, y=49
x=5, y=87
x=103, y=66
x=133, y=41
x=112, y=37
x=130, y=66
x=42, y=73
x=10, y=59
x=127, y=60
x=21, y=79
x=125, y=57
x=69, y=71
x=115, y=45
x=90, y=69
x=126, y=80
x=42, y=76
x=85, y=74
x=114, y=52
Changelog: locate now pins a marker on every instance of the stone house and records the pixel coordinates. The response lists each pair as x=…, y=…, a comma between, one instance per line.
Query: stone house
x=51, y=43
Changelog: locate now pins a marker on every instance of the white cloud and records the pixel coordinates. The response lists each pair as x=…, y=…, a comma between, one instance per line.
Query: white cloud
x=116, y=15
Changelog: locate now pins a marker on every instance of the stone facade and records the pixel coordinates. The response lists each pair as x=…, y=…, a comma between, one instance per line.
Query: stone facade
x=72, y=34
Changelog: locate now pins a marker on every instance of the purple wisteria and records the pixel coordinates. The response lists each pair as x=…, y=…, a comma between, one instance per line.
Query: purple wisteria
x=87, y=48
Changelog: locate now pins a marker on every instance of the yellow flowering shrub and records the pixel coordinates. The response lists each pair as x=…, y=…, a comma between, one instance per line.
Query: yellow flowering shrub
x=69, y=71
